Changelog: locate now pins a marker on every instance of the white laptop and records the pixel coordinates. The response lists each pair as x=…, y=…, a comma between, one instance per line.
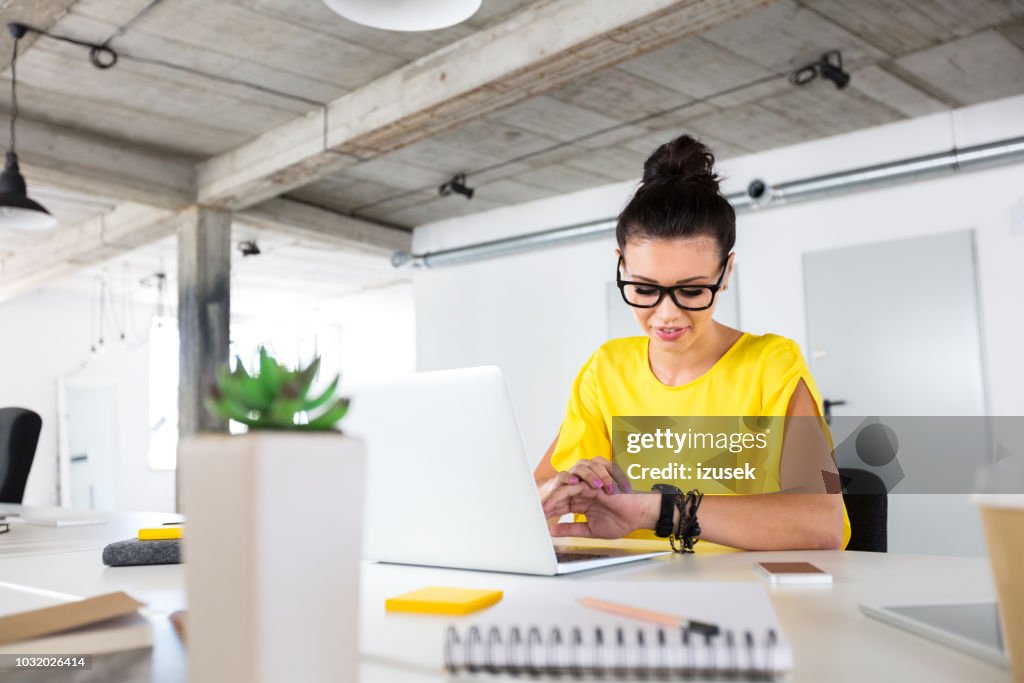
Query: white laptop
x=449, y=483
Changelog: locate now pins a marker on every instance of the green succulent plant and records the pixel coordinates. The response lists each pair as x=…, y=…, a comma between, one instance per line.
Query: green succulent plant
x=276, y=397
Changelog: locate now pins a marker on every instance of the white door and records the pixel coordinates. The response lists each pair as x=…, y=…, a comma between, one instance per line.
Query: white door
x=893, y=330
x=92, y=445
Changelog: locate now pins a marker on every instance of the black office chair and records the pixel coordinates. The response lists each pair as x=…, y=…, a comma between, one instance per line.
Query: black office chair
x=19, y=435
x=867, y=504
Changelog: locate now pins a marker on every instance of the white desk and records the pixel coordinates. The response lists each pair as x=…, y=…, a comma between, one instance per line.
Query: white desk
x=32, y=539
x=832, y=640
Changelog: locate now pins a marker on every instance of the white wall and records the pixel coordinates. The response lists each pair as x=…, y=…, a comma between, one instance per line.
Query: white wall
x=374, y=331
x=540, y=314
x=47, y=336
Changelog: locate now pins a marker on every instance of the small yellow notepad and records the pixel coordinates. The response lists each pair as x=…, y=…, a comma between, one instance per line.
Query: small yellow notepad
x=443, y=600
x=160, y=533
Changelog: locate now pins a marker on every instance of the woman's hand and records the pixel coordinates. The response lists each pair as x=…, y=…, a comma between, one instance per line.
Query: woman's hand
x=609, y=515
x=597, y=488
x=599, y=473
x=602, y=473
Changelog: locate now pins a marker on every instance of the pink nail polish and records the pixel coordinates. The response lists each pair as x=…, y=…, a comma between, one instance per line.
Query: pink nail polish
x=574, y=480
x=597, y=483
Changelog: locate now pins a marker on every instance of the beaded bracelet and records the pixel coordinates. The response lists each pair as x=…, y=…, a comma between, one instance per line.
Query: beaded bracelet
x=687, y=528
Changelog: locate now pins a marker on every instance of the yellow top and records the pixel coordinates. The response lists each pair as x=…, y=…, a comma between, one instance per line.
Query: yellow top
x=443, y=600
x=755, y=377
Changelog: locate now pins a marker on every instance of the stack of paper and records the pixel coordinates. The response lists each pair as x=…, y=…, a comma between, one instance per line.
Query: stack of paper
x=40, y=623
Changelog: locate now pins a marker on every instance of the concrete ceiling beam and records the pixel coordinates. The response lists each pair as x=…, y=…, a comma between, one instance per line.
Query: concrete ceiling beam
x=534, y=51
x=304, y=221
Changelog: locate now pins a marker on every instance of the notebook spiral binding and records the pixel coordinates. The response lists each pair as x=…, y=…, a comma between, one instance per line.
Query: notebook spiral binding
x=631, y=654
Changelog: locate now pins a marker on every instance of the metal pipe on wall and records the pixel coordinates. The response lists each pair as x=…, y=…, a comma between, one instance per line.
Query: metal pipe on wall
x=759, y=196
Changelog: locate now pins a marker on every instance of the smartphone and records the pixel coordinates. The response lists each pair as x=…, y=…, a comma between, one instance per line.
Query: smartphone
x=792, y=573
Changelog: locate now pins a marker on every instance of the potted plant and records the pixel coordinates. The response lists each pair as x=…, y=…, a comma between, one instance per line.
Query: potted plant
x=273, y=531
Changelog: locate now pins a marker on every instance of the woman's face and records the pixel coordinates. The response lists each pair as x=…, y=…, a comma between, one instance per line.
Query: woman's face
x=692, y=260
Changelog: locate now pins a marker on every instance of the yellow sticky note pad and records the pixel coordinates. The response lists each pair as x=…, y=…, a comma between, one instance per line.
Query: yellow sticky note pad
x=443, y=600
x=160, y=533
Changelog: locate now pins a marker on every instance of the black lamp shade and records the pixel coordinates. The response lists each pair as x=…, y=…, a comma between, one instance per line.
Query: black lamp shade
x=16, y=209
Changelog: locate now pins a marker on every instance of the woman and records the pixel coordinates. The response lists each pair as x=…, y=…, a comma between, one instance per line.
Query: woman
x=679, y=230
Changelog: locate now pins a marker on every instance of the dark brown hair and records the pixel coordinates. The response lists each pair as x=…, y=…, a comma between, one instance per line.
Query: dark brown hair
x=679, y=197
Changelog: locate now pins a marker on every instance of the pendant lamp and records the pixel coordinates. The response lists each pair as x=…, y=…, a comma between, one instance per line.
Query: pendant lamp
x=16, y=209
x=406, y=15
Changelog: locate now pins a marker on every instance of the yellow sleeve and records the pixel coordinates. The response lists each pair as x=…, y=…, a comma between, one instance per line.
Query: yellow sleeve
x=584, y=432
x=784, y=368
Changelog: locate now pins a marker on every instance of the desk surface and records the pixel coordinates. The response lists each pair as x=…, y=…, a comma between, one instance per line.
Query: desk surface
x=831, y=639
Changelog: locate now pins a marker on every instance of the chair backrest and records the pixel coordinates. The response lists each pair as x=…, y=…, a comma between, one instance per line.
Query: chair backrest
x=19, y=435
x=867, y=505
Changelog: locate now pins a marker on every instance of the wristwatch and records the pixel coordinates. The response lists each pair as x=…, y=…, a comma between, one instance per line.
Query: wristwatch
x=663, y=529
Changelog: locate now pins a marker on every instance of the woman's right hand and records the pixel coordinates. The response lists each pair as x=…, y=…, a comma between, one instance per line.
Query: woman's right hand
x=602, y=473
x=610, y=511
x=597, y=474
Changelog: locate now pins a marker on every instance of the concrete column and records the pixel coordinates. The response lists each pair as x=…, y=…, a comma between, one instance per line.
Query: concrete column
x=204, y=313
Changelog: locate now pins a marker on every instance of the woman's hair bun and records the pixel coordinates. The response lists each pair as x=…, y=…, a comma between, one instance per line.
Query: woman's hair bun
x=682, y=159
x=679, y=198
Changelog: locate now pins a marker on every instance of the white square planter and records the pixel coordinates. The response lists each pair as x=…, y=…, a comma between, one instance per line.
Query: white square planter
x=272, y=555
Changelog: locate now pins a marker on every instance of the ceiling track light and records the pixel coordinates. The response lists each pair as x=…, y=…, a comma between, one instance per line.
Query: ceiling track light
x=16, y=209
x=249, y=248
x=829, y=67
x=457, y=185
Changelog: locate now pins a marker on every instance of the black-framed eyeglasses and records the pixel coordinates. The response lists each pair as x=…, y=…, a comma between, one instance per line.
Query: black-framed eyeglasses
x=686, y=297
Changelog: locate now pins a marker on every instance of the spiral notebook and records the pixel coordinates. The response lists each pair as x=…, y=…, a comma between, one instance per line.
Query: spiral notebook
x=540, y=628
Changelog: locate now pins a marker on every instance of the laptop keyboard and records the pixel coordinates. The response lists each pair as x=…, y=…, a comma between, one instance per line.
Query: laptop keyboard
x=579, y=557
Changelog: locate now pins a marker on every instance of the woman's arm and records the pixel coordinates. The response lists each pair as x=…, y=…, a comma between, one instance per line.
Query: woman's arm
x=545, y=470
x=550, y=481
x=545, y=478
x=611, y=479
x=784, y=521
x=778, y=521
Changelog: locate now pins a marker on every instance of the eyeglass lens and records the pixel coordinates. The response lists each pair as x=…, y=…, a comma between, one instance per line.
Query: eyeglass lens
x=690, y=297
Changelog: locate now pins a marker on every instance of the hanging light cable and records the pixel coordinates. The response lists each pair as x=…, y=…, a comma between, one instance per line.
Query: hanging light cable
x=16, y=209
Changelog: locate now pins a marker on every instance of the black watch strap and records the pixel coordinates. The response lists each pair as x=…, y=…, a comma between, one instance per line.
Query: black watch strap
x=663, y=529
